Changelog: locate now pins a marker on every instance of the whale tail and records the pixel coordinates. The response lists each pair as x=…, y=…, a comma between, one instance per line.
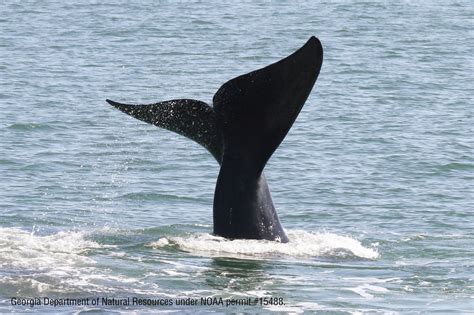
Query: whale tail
x=193, y=119
x=257, y=109
x=250, y=117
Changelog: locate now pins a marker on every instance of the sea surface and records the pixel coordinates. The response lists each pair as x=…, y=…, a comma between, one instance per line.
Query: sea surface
x=373, y=184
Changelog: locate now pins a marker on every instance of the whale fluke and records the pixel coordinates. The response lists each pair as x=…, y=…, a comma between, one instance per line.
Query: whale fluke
x=193, y=119
x=256, y=110
x=250, y=117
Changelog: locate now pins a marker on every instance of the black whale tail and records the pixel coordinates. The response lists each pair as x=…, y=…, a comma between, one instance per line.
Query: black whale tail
x=255, y=112
x=190, y=118
x=250, y=117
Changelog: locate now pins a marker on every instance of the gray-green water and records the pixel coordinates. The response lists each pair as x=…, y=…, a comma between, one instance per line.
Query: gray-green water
x=374, y=183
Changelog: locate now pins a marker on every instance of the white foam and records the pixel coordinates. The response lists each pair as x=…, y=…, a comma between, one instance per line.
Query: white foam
x=301, y=244
x=22, y=249
x=363, y=290
x=55, y=263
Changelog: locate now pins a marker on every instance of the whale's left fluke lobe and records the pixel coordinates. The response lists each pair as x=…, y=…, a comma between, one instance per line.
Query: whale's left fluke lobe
x=190, y=118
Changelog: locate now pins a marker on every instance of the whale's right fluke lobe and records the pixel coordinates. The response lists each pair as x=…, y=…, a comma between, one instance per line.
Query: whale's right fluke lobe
x=257, y=109
x=255, y=112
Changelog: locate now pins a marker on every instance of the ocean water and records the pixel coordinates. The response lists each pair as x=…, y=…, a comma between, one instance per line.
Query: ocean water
x=373, y=184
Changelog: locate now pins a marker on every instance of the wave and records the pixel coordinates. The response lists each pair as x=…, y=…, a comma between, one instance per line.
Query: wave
x=151, y=196
x=30, y=126
x=46, y=263
x=456, y=166
x=301, y=243
x=88, y=262
x=27, y=250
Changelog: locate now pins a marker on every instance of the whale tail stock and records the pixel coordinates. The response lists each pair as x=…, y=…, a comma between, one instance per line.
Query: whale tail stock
x=250, y=117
